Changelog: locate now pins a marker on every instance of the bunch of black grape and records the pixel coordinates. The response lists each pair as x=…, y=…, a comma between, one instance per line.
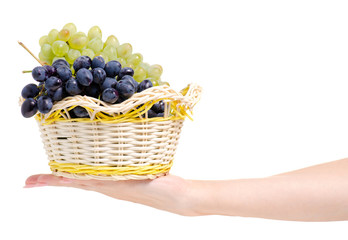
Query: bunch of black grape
x=95, y=78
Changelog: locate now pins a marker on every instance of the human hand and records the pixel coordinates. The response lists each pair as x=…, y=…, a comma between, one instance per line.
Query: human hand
x=169, y=193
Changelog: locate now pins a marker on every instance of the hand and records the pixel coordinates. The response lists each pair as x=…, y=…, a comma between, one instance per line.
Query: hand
x=169, y=193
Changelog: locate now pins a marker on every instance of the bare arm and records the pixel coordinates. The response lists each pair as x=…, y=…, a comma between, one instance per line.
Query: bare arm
x=317, y=193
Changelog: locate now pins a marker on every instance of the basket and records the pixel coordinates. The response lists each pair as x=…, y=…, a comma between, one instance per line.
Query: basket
x=117, y=141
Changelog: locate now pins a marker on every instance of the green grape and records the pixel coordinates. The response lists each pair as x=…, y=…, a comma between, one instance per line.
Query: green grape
x=71, y=27
x=43, y=58
x=135, y=59
x=111, y=52
x=103, y=55
x=139, y=74
x=111, y=41
x=96, y=44
x=64, y=35
x=155, y=82
x=52, y=36
x=122, y=61
x=56, y=58
x=72, y=69
x=78, y=40
x=144, y=65
x=60, y=48
x=88, y=52
x=72, y=55
x=130, y=65
x=155, y=71
x=124, y=50
x=43, y=40
x=46, y=51
x=94, y=32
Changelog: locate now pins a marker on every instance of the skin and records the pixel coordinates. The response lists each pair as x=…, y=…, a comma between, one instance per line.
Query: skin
x=316, y=193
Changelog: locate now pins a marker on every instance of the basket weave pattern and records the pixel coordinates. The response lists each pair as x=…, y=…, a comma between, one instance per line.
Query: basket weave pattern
x=117, y=142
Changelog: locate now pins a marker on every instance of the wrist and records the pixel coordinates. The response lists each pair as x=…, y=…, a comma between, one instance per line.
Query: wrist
x=201, y=198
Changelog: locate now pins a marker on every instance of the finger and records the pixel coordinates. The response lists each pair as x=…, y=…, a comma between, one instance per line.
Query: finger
x=40, y=180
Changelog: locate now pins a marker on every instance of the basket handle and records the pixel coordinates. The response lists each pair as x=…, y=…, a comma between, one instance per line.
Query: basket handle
x=192, y=94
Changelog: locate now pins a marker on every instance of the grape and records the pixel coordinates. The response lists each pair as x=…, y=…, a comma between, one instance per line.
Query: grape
x=52, y=36
x=30, y=91
x=160, y=114
x=59, y=58
x=82, y=62
x=103, y=55
x=72, y=55
x=43, y=40
x=98, y=62
x=139, y=74
x=39, y=74
x=64, y=35
x=53, y=83
x=88, y=52
x=158, y=107
x=99, y=75
x=71, y=27
x=94, y=32
x=72, y=69
x=125, y=71
x=46, y=51
x=64, y=73
x=80, y=112
x=78, y=40
x=60, y=62
x=131, y=80
x=60, y=48
x=110, y=95
x=111, y=41
x=129, y=65
x=29, y=108
x=125, y=89
x=44, y=104
x=144, y=85
x=112, y=68
x=57, y=95
x=155, y=71
x=50, y=70
x=43, y=58
x=84, y=77
x=111, y=52
x=144, y=65
x=151, y=113
x=73, y=87
x=93, y=90
x=108, y=83
x=96, y=44
x=124, y=50
x=135, y=59
x=155, y=82
x=122, y=61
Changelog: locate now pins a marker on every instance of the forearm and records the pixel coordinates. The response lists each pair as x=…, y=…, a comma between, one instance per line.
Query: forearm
x=318, y=193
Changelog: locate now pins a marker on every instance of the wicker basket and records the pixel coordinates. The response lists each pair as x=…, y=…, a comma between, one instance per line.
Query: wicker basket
x=118, y=141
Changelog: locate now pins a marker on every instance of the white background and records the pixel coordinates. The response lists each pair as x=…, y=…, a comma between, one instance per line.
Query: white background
x=275, y=99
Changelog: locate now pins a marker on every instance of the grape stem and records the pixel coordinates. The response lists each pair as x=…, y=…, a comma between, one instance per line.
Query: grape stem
x=26, y=71
x=41, y=62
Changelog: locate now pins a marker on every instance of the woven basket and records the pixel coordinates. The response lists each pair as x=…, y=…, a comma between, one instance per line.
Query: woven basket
x=118, y=141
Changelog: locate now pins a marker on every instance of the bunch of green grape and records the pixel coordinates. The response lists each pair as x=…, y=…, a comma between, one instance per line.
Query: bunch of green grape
x=69, y=44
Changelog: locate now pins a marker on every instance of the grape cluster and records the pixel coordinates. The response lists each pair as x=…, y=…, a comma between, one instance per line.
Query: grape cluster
x=69, y=44
x=109, y=82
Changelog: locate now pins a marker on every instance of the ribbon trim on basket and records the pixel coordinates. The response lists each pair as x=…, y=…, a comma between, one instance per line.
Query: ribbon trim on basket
x=109, y=170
